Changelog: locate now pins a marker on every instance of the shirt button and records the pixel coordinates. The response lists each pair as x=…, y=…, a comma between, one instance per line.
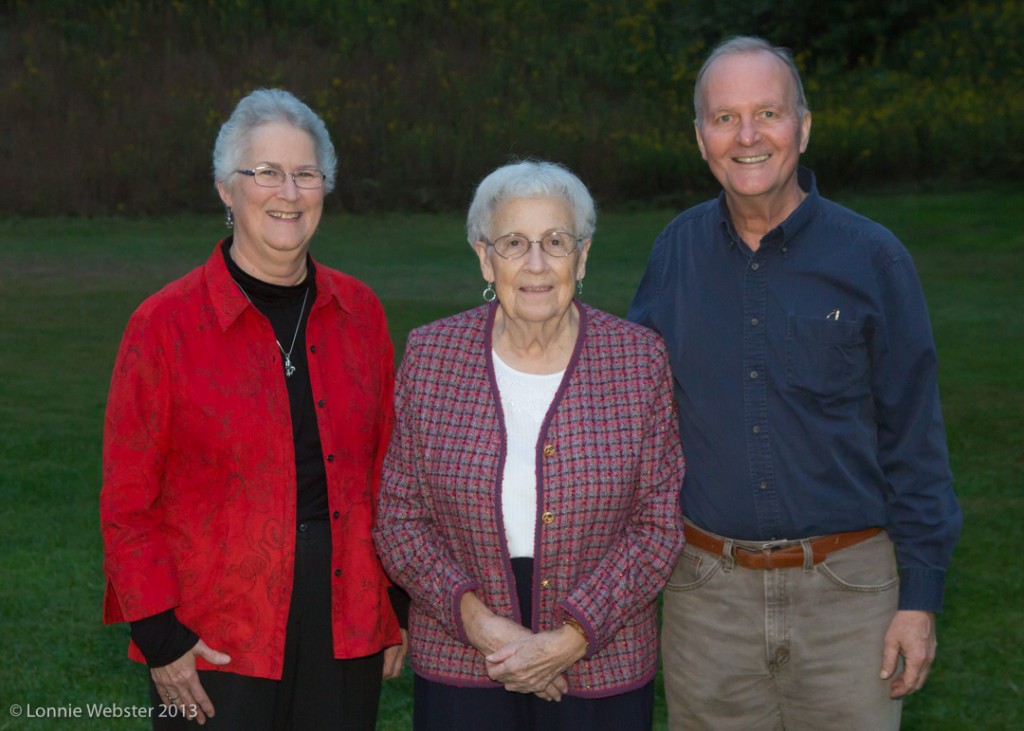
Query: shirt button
x=312, y=348
x=547, y=517
x=757, y=430
x=336, y=515
x=755, y=266
x=337, y=572
x=754, y=321
x=330, y=457
x=763, y=485
x=546, y=584
x=753, y=374
x=321, y=403
x=303, y=527
x=549, y=449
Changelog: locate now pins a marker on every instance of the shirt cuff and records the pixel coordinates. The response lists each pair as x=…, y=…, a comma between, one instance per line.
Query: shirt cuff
x=922, y=589
x=588, y=629
x=399, y=605
x=162, y=639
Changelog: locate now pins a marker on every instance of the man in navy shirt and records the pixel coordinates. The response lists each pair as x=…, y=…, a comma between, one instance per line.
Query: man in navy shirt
x=820, y=514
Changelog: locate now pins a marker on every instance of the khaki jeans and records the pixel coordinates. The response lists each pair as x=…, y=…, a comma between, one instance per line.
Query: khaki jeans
x=798, y=649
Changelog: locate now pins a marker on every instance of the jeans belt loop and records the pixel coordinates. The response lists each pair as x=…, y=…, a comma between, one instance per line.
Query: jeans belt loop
x=808, y=555
x=729, y=554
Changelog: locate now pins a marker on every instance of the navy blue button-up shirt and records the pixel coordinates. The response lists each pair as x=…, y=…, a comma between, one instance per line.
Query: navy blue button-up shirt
x=806, y=379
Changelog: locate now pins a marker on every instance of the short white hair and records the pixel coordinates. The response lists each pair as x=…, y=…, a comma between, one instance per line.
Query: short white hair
x=269, y=106
x=530, y=179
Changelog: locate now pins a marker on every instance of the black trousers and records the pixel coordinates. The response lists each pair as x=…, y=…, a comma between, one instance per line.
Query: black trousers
x=315, y=690
x=440, y=707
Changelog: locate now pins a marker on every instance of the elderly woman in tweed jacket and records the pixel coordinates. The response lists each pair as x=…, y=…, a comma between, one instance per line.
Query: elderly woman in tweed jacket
x=529, y=503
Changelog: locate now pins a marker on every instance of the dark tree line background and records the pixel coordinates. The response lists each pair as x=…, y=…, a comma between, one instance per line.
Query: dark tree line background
x=112, y=107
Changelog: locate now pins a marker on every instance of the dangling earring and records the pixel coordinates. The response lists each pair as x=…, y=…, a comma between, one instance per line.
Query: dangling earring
x=229, y=217
x=579, y=287
x=489, y=294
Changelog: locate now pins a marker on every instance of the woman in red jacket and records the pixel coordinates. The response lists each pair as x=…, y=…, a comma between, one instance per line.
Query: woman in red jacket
x=530, y=495
x=249, y=411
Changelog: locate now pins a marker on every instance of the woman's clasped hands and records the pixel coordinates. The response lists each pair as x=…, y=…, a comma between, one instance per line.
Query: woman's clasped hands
x=523, y=662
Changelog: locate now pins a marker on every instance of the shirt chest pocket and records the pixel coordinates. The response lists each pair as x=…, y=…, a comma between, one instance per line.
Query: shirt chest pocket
x=826, y=357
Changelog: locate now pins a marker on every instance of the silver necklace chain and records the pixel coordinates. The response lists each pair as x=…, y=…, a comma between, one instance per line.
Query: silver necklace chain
x=289, y=369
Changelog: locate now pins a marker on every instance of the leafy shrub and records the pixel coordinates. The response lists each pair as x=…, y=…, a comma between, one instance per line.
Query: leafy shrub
x=112, y=107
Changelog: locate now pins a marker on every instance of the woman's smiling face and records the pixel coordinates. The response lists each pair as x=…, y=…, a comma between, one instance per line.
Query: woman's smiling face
x=274, y=224
x=536, y=287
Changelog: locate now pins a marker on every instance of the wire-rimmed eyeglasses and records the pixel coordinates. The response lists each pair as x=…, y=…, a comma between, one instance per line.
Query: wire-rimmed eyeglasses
x=556, y=243
x=266, y=176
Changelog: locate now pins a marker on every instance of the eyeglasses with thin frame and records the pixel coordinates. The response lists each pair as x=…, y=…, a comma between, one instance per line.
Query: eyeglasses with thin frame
x=514, y=246
x=266, y=176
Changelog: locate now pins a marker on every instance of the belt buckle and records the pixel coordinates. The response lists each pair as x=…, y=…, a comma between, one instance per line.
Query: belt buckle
x=773, y=546
x=767, y=547
x=767, y=550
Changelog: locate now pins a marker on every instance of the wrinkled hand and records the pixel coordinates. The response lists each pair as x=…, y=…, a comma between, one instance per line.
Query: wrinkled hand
x=912, y=635
x=532, y=664
x=554, y=690
x=178, y=682
x=394, y=656
x=489, y=633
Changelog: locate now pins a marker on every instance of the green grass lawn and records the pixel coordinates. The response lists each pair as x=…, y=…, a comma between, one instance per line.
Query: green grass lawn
x=67, y=288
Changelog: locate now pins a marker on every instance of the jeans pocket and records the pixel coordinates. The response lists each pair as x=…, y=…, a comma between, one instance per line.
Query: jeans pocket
x=866, y=567
x=693, y=569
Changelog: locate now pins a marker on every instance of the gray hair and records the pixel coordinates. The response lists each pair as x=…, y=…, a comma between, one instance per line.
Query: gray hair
x=748, y=44
x=269, y=106
x=530, y=179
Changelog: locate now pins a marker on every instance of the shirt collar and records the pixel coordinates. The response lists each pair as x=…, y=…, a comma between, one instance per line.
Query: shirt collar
x=785, y=232
x=798, y=219
x=229, y=302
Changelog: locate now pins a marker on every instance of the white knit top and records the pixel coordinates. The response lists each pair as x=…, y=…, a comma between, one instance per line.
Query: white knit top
x=525, y=400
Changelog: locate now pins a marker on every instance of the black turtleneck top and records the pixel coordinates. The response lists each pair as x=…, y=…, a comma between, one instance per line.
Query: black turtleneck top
x=287, y=309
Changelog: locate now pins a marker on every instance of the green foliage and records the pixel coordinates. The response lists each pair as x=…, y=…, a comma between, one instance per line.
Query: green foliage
x=948, y=104
x=112, y=107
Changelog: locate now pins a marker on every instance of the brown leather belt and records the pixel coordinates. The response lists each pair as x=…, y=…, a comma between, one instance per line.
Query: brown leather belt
x=788, y=555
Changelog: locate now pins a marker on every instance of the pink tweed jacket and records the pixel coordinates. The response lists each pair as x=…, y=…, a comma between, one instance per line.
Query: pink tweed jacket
x=609, y=468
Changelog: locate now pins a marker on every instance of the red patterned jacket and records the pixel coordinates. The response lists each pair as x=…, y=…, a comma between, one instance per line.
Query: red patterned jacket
x=609, y=468
x=198, y=502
